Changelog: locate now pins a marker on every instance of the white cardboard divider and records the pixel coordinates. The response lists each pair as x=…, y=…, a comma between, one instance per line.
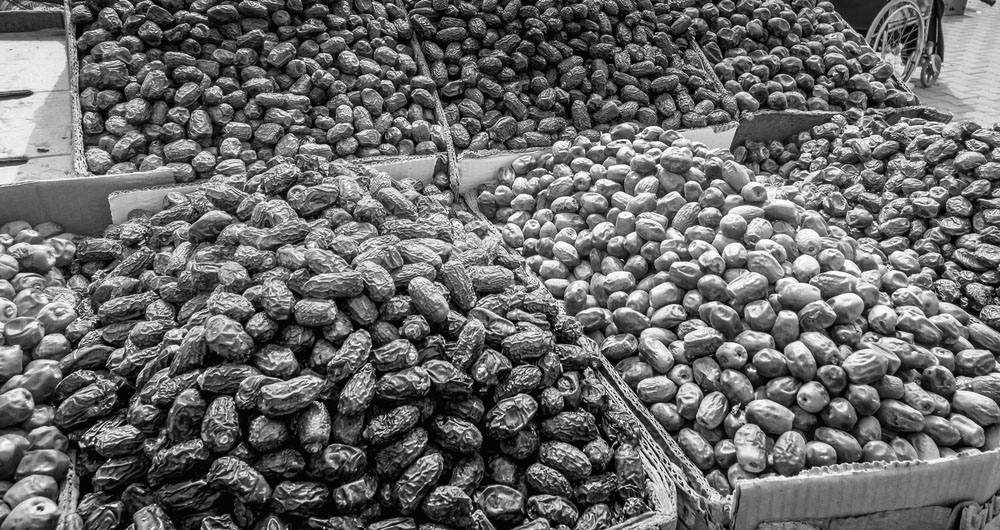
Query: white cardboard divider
x=414, y=167
x=151, y=199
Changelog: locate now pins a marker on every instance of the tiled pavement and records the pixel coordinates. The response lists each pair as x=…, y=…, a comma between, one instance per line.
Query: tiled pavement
x=969, y=86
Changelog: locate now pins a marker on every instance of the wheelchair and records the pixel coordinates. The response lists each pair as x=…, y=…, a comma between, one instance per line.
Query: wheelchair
x=906, y=33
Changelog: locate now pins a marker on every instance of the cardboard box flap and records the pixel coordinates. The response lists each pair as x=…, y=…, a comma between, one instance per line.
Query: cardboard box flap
x=714, y=136
x=410, y=167
x=767, y=125
x=843, y=491
x=80, y=205
x=477, y=168
x=151, y=199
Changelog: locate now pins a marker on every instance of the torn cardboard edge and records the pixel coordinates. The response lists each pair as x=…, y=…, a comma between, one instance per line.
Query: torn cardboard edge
x=69, y=495
x=418, y=167
x=978, y=516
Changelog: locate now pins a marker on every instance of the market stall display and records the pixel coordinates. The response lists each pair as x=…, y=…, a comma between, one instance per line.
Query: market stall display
x=513, y=76
x=764, y=338
x=313, y=346
x=290, y=339
x=223, y=88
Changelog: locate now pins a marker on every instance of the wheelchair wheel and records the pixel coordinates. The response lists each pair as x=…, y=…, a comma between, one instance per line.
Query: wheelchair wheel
x=930, y=71
x=897, y=34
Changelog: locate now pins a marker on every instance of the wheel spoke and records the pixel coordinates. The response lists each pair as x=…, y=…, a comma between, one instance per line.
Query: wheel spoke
x=897, y=36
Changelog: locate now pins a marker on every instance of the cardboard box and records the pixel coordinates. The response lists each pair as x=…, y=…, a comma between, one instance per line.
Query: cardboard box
x=765, y=125
x=955, y=7
x=37, y=130
x=44, y=132
x=479, y=167
x=69, y=497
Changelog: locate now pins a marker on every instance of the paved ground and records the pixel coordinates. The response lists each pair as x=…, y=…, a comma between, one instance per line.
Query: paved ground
x=969, y=85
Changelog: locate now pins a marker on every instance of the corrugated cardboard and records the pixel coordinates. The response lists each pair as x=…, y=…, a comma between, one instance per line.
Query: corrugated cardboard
x=844, y=491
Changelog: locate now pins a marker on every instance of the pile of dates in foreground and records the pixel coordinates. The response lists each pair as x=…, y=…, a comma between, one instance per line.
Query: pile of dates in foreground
x=312, y=348
x=763, y=338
